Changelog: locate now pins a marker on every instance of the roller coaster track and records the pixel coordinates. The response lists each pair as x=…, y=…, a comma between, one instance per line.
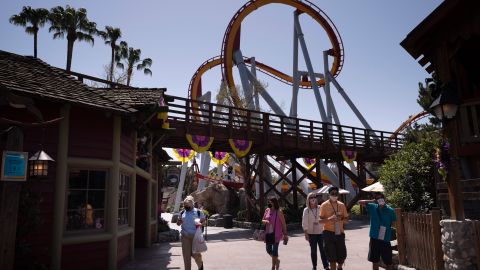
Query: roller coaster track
x=412, y=119
x=231, y=43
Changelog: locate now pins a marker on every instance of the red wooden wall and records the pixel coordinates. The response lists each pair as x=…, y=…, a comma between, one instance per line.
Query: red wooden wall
x=91, y=134
x=123, y=250
x=127, y=144
x=91, y=256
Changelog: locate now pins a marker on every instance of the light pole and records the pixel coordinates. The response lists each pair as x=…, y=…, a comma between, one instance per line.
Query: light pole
x=445, y=108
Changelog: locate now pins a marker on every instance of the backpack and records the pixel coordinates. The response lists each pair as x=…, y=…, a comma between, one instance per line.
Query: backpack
x=198, y=214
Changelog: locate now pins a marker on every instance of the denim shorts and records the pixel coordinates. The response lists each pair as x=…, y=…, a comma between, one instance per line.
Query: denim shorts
x=272, y=249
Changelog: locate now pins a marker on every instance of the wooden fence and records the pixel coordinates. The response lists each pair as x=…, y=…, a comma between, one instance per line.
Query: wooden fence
x=419, y=240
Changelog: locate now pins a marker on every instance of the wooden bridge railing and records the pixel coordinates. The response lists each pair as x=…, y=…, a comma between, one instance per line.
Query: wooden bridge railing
x=419, y=240
x=242, y=123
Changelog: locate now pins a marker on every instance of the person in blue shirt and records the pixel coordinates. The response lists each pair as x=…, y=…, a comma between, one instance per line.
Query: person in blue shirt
x=382, y=218
x=189, y=219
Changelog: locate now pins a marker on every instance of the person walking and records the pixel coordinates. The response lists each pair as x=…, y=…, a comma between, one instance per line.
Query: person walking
x=382, y=217
x=333, y=214
x=276, y=230
x=313, y=230
x=189, y=219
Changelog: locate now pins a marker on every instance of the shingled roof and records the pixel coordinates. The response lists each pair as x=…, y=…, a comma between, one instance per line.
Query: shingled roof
x=32, y=76
x=135, y=97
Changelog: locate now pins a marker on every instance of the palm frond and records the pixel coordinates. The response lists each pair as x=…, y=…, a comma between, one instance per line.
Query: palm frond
x=85, y=37
x=120, y=65
x=59, y=35
x=147, y=71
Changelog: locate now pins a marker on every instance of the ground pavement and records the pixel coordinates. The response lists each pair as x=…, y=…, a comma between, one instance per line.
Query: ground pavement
x=234, y=249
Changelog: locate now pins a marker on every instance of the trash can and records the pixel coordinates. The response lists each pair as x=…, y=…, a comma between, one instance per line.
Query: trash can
x=228, y=221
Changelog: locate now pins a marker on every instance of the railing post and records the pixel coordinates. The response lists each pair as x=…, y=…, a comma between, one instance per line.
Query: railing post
x=311, y=134
x=354, y=138
x=187, y=115
x=266, y=127
x=230, y=122
x=437, y=241
x=249, y=120
x=297, y=130
x=210, y=119
x=402, y=258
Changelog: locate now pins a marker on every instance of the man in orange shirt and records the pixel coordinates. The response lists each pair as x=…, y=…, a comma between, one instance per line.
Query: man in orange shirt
x=333, y=214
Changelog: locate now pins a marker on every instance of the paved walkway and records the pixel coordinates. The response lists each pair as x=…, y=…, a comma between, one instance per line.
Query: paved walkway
x=234, y=249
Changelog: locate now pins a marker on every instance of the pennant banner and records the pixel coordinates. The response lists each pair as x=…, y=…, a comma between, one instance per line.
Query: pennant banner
x=309, y=162
x=349, y=155
x=183, y=155
x=219, y=157
x=199, y=143
x=240, y=147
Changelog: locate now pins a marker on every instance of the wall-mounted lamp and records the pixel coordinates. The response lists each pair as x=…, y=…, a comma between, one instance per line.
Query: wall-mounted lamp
x=38, y=164
x=446, y=105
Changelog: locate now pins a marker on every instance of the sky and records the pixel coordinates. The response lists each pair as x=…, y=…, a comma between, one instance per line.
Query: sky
x=379, y=76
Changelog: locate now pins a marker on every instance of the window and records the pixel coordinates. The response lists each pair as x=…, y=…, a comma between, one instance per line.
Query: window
x=86, y=200
x=123, y=199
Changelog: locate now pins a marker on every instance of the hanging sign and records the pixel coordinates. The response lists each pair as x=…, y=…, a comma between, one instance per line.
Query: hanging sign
x=14, y=166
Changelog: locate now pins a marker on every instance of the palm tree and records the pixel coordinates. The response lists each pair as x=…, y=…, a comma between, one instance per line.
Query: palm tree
x=132, y=59
x=73, y=23
x=36, y=17
x=111, y=35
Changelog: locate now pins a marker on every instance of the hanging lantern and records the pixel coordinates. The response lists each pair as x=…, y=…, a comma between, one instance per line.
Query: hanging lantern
x=38, y=164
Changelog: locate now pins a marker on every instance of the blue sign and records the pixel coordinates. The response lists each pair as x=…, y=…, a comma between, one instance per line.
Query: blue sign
x=14, y=166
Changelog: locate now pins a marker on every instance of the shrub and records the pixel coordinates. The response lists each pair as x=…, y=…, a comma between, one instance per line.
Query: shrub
x=355, y=210
x=408, y=176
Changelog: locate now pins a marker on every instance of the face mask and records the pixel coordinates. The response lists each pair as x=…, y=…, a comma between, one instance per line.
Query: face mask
x=269, y=205
x=381, y=201
x=333, y=198
x=188, y=208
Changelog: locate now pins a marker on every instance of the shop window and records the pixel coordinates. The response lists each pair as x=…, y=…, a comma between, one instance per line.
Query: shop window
x=86, y=200
x=124, y=199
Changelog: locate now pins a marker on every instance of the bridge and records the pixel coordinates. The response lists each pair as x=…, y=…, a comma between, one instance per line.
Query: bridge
x=272, y=134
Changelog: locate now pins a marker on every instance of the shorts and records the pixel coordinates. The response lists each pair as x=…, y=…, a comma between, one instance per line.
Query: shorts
x=379, y=248
x=335, y=246
x=272, y=249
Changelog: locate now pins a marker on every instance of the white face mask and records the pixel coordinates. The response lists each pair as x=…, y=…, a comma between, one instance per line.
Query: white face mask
x=381, y=201
x=333, y=198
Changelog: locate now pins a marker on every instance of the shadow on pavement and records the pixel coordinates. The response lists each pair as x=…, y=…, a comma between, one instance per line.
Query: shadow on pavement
x=157, y=257
x=357, y=224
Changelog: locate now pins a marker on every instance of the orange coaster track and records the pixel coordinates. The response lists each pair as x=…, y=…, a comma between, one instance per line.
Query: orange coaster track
x=231, y=43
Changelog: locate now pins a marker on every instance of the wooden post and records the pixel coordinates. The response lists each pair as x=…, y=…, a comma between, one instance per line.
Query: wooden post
x=294, y=182
x=402, y=258
x=261, y=178
x=455, y=190
x=436, y=240
x=9, y=199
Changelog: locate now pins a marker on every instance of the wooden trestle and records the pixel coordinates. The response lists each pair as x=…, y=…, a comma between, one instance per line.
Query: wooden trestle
x=280, y=137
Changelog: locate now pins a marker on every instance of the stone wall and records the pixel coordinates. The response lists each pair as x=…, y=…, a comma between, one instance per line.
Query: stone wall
x=458, y=244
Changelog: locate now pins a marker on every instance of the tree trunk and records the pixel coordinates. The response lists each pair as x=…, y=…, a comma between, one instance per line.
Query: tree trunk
x=35, y=44
x=129, y=75
x=69, y=53
x=112, y=63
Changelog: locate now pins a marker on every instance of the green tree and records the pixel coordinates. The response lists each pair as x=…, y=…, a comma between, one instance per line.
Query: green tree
x=111, y=36
x=132, y=58
x=409, y=175
x=74, y=24
x=35, y=17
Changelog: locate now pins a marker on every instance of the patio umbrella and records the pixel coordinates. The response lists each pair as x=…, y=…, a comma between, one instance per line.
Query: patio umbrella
x=376, y=187
x=324, y=190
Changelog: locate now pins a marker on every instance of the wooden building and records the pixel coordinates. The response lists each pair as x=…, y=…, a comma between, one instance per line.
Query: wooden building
x=447, y=43
x=99, y=200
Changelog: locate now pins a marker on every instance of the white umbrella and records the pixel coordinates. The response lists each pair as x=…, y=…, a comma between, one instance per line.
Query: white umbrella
x=376, y=187
x=324, y=190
